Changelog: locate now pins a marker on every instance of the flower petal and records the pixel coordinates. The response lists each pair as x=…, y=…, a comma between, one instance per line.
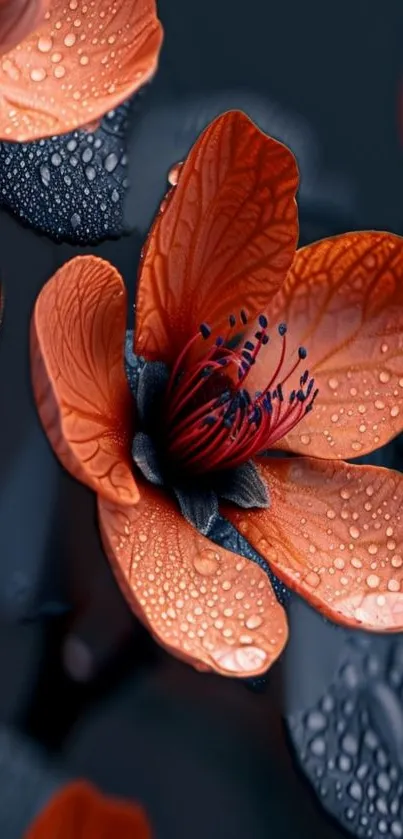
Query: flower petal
x=334, y=534
x=343, y=301
x=77, y=66
x=77, y=355
x=78, y=810
x=17, y=19
x=206, y=605
x=225, y=239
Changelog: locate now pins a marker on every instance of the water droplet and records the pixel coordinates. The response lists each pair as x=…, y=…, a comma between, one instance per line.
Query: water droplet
x=206, y=562
x=316, y=721
x=38, y=74
x=379, y=405
x=45, y=44
x=384, y=376
x=70, y=39
x=45, y=175
x=356, y=445
x=312, y=579
x=384, y=348
x=75, y=220
x=90, y=173
x=373, y=581
x=349, y=744
x=110, y=162
x=318, y=746
x=253, y=622
x=333, y=383
x=355, y=791
x=59, y=71
x=394, y=411
x=393, y=585
x=354, y=532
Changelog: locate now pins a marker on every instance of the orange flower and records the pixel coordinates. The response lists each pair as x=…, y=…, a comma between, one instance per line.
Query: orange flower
x=83, y=60
x=79, y=811
x=221, y=254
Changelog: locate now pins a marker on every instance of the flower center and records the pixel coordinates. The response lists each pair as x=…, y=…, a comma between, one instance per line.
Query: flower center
x=213, y=421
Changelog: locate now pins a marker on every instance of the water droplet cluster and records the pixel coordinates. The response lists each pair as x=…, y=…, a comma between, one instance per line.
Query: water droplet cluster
x=209, y=607
x=70, y=187
x=350, y=745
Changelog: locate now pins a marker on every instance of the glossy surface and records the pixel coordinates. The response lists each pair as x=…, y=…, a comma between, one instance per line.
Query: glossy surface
x=85, y=59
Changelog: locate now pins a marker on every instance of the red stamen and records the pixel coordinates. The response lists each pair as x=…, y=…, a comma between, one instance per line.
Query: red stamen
x=213, y=422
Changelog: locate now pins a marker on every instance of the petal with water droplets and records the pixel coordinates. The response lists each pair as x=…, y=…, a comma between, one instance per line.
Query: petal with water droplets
x=224, y=240
x=343, y=301
x=84, y=60
x=334, y=534
x=78, y=334
x=78, y=810
x=206, y=605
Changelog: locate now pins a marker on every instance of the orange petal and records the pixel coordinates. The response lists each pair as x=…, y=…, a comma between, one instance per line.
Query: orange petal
x=83, y=61
x=334, y=534
x=77, y=355
x=206, y=605
x=225, y=239
x=17, y=19
x=79, y=811
x=343, y=301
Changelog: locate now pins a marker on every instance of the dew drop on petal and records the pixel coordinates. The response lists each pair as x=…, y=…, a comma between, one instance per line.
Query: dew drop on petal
x=206, y=562
x=373, y=581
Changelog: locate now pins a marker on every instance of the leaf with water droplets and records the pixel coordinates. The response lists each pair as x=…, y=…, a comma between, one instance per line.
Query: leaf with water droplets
x=77, y=354
x=343, y=301
x=83, y=61
x=47, y=185
x=334, y=534
x=206, y=605
x=224, y=240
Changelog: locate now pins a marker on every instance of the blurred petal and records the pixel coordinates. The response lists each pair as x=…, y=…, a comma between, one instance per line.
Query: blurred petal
x=83, y=399
x=77, y=181
x=343, y=301
x=80, y=811
x=17, y=19
x=77, y=66
x=206, y=605
x=334, y=534
x=224, y=240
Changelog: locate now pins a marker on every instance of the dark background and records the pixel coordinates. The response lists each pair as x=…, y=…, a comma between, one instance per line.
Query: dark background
x=209, y=757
